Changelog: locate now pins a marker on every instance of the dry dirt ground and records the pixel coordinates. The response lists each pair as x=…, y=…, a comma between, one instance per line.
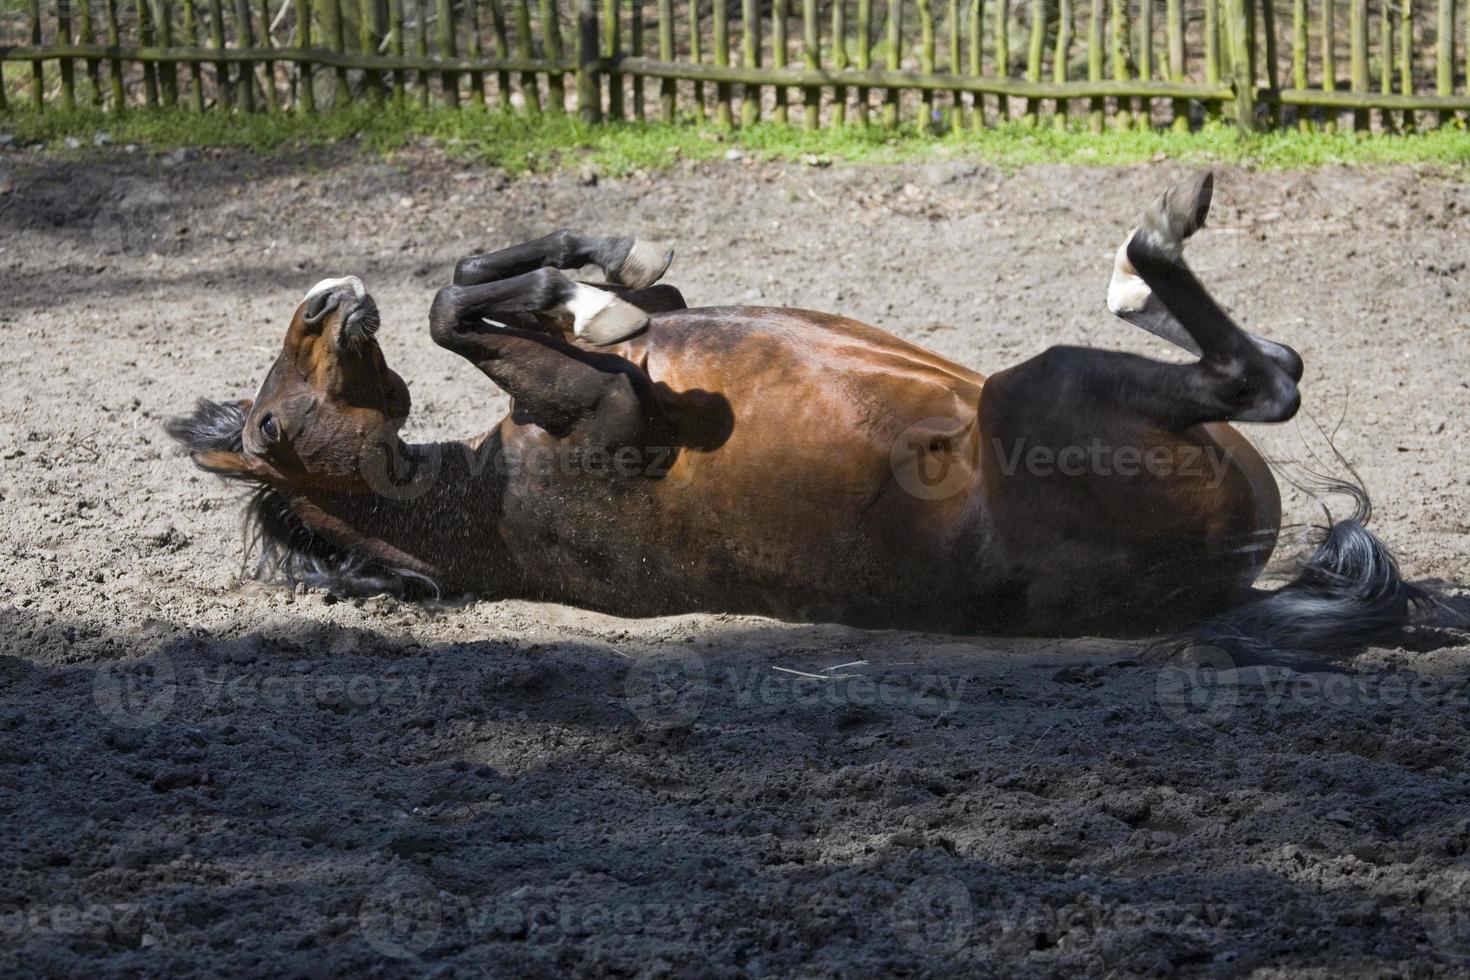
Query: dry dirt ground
x=206, y=775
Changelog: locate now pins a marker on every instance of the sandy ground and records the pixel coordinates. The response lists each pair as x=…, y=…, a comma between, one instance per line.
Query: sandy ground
x=206, y=775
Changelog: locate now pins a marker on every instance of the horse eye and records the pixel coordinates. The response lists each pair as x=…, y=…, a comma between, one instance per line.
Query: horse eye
x=269, y=427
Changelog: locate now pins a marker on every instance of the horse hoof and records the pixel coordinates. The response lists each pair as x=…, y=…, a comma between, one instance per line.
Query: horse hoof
x=644, y=265
x=1178, y=215
x=615, y=321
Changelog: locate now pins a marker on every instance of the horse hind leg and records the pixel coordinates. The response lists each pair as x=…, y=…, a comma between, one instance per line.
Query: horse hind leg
x=1173, y=220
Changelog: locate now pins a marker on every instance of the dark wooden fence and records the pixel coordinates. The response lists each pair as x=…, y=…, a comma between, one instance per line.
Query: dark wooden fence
x=942, y=63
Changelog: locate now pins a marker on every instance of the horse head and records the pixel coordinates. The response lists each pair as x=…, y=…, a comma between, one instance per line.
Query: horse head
x=328, y=399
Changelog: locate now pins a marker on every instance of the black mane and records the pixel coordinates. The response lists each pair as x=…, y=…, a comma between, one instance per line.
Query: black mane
x=287, y=549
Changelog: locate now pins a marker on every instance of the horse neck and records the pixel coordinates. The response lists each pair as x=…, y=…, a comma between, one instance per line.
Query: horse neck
x=435, y=516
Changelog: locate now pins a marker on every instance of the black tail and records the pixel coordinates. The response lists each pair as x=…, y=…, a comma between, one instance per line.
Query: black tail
x=1349, y=594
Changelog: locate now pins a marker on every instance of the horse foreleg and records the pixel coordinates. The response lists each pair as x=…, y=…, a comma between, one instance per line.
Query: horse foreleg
x=624, y=261
x=556, y=385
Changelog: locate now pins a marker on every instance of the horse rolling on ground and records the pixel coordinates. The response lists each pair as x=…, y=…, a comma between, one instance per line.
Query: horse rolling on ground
x=797, y=464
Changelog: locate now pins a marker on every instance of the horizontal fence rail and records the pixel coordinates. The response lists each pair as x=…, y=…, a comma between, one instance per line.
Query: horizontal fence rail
x=940, y=64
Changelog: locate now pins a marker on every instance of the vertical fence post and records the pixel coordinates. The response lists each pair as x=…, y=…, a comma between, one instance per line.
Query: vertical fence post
x=1358, y=56
x=1095, y=65
x=1406, y=59
x=696, y=55
x=723, y=118
x=367, y=46
x=148, y=38
x=779, y=54
x=1240, y=62
x=396, y=46
x=502, y=50
x=610, y=48
x=1444, y=57
x=1060, y=57
x=812, y=42
x=114, y=65
x=1003, y=54
x=223, y=95
x=448, y=48
x=88, y=35
x=530, y=85
x=1272, y=56
x=750, y=57
x=162, y=13
x=895, y=60
x=196, y=73
x=1143, y=108
x=926, y=62
x=244, y=38
x=839, y=59
x=268, y=42
x=636, y=48
x=1212, y=54
x=68, y=69
x=1120, y=60
x=38, y=73
x=1174, y=18
x=977, y=60
x=666, y=90
x=589, y=81
x=336, y=42
x=1299, y=58
x=305, y=91
x=954, y=115
x=421, y=47
x=1385, y=57
x=556, y=82
x=1033, y=55
x=168, y=74
x=1329, y=61
x=864, y=56
x=474, y=48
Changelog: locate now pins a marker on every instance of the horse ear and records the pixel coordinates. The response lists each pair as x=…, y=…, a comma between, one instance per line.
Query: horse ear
x=235, y=466
x=212, y=435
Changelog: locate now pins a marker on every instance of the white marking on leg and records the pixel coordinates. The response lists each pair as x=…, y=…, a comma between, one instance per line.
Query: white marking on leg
x=1127, y=292
x=586, y=303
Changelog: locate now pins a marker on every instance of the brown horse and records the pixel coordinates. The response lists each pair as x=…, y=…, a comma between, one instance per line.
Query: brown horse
x=796, y=464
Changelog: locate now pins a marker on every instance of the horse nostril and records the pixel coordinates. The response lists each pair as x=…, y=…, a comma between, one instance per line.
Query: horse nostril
x=320, y=306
